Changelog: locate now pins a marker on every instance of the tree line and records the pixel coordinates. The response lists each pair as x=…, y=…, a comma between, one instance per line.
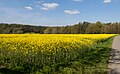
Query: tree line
x=80, y=28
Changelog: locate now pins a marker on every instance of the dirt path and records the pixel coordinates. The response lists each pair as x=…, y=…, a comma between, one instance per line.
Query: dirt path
x=114, y=62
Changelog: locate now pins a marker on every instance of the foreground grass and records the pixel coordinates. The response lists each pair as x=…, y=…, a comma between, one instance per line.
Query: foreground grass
x=84, y=60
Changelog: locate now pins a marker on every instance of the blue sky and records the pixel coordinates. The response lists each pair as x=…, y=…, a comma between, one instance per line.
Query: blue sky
x=58, y=12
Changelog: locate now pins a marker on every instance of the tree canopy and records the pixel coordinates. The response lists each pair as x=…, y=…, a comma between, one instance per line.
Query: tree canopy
x=80, y=28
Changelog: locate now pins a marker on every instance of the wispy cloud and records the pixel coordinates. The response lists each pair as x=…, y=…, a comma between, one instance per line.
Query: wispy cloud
x=107, y=1
x=77, y=0
x=13, y=15
x=49, y=6
x=29, y=8
x=71, y=11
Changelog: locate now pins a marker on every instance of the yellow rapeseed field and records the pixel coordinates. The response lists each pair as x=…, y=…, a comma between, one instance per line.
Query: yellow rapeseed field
x=36, y=51
x=49, y=43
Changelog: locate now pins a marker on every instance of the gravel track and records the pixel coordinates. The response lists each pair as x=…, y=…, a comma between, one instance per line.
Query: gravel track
x=114, y=62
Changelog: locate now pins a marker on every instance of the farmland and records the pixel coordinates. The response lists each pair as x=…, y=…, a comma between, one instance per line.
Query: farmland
x=55, y=53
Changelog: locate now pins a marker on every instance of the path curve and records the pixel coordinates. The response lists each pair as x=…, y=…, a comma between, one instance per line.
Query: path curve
x=114, y=62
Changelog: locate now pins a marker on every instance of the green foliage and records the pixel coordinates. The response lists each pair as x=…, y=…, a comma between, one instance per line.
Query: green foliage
x=80, y=28
x=20, y=29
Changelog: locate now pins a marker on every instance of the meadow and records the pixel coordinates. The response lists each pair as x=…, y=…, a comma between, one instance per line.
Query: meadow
x=55, y=53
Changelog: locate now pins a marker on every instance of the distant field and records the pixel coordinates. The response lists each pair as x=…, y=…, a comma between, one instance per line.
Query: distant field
x=55, y=53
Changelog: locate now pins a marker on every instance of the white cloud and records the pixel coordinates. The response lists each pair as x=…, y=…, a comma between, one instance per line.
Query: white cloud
x=28, y=7
x=77, y=0
x=107, y=1
x=49, y=6
x=71, y=11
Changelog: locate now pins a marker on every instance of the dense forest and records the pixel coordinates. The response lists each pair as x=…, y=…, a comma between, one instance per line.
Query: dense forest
x=80, y=28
